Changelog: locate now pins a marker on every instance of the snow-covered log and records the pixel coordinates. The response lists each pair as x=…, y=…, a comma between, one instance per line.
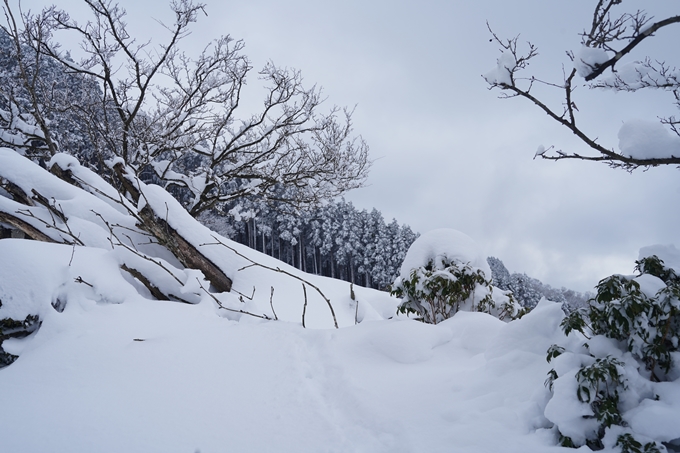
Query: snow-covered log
x=185, y=252
x=72, y=205
x=154, y=219
x=145, y=248
x=12, y=328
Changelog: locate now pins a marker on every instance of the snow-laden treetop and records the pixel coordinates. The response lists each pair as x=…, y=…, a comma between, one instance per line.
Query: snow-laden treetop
x=444, y=244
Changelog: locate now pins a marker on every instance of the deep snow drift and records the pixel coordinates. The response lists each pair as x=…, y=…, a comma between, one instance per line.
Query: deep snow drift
x=117, y=372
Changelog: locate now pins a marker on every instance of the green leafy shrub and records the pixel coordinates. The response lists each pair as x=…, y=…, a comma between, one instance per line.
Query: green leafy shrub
x=629, y=444
x=639, y=316
x=436, y=292
x=598, y=385
x=649, y=325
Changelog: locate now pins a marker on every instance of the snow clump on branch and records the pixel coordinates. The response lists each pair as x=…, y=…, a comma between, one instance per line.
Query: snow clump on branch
x=588, y=59
x=502, y=74
x=642, y=139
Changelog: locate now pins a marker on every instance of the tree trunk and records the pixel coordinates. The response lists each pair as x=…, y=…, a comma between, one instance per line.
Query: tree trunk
x=167, y=236
x=186, y=253
x=28, y=229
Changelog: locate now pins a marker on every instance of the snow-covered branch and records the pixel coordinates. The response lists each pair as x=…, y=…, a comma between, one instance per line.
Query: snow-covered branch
x=281, y=271
x=636, y=148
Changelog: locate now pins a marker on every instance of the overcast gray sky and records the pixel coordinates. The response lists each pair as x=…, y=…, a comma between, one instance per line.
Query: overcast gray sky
x=447, y=152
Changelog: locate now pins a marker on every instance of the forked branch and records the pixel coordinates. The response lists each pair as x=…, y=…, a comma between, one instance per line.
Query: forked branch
x=281, y=271
x=604, y=31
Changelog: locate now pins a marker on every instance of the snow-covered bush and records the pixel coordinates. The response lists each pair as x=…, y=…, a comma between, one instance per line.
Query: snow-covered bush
x=443, y=273
x=435, y=292
x=608, y=385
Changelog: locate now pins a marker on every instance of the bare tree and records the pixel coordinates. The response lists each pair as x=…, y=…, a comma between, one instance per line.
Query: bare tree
x=43, y=108
x=173, y=118
x=609, y=39
x=22, y=91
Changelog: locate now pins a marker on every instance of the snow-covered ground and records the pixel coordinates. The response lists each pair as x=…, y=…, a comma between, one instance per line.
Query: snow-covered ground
x=118, y=372
x=111, y=369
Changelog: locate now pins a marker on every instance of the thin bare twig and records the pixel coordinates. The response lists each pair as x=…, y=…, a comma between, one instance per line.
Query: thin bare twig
x=53, y=225
x=134, y=251
x=52, y=207
x=220, y=305
x=79, y=279
x=279, y=270
x=304, y=307
x=73, y=252
x=271, y=303
x=245, y=295
x=121, y=199
x=356, y=313
x=155, y=291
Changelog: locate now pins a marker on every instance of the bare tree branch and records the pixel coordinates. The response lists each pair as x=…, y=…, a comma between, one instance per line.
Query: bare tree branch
x=605, y=31
x=221, y=305
x=633, y=43
x=281, y=271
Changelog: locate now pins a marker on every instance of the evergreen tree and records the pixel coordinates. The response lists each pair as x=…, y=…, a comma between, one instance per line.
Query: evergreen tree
x=335, y=240
x=528, y=291
x=499, y=273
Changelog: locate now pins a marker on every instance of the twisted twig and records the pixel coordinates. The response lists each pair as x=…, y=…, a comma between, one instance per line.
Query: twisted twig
x=281, y=271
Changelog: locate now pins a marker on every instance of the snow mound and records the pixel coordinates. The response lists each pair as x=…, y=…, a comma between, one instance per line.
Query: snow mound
x=444, y=244
x=176, y=378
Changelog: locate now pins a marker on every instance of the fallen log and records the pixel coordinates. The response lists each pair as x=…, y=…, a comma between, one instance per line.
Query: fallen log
x=64, y=175
x=167, y=236
x=16, y=192
x=128, y=185
x=186, y=253
x=155, y=224
x=28, y=229
x=153, y=289
x=12, y=328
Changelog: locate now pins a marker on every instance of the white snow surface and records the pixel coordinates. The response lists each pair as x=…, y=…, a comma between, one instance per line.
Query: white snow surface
x=440, y=244
x=643, y=139
x=119, y=372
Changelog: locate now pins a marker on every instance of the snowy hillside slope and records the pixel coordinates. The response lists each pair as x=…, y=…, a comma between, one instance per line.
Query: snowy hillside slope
x=95, y=216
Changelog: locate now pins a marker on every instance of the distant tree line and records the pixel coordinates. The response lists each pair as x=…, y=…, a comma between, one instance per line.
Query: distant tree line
x=335, y=240
x=528, y=291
